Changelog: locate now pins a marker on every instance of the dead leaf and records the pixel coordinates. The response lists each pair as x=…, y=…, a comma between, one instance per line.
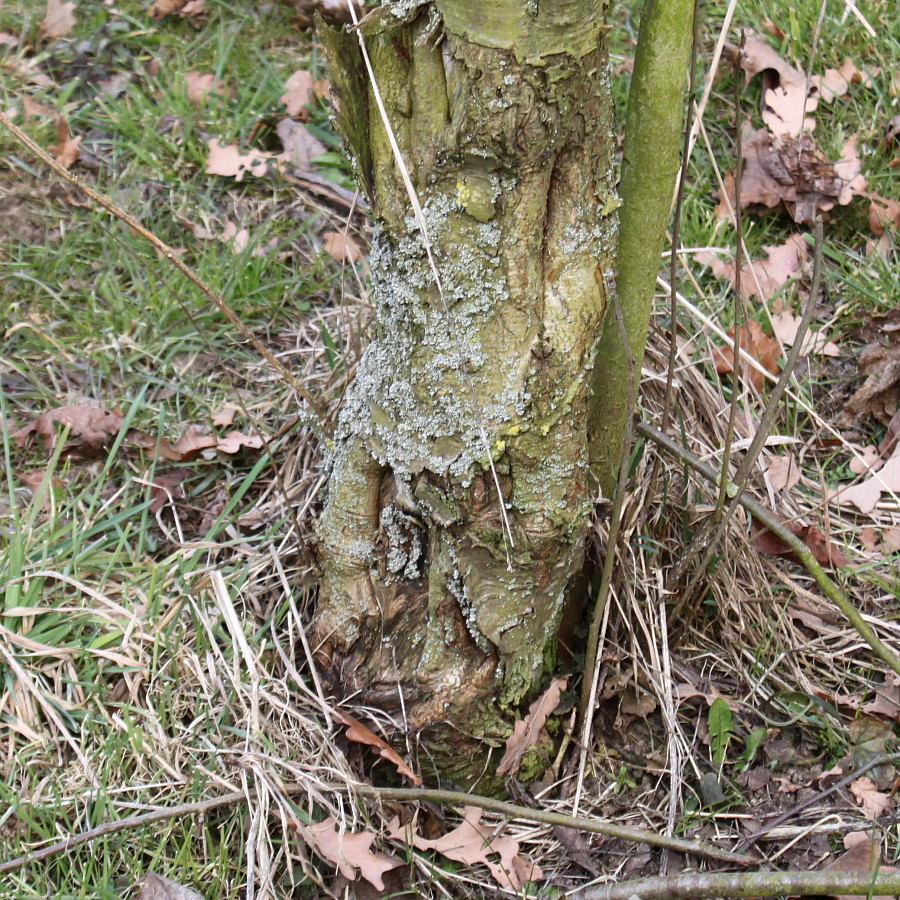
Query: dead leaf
x=787, y=99
x=300, y=147
x=783, y=472
x=782, y=172
x=526, y=731
x=358, y=732
x=90, y=427
x=873, y=802
x=786, y=325
x=333, y=10
x=236, y=440
x=298, y=91
x=348, y=851
x=230, y=162
x=186, y=9
x=32, y=108
x=763, y=278
x=192, y=442
x=59, y=20
x=887, y=700
x=166, y=488
x=760, y=346
x=471, y=843
x=865, y=461
x=8, y=40
x=199, y=87
x=238, y=238
x=890, y=540
x=65, y=150
x=225, y=416
x=156, y=887
x=770, y=544
x=866, y=494
x=882, y=213
x=341, y=247
x=863, y=855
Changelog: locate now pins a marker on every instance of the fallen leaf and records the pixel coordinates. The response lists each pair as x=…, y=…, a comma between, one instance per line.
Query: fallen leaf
x=335, y=10
x=879, y=363
x=349, y=851
x=787, y=99
x=238, y=238
x=341, y=247
x=526, y=731
x=471, y=843
x=770, y=544
x=192, y=442
x=760, y=346
x=298, y=90
x=59, y=20
x=783, y=472
x=32, y=108
x=186, y=9
x=887, y=700
x=786, y=325
x=763, y=278
x=236, y=440
x=865, y=461
x=863, y=855
x=300, y=147
x=890, y=540
x=866, y=494
x=229, y=161
x=358, y=732
x=90, y=427
x=200, y=86
x=782, y=172
x=225, y=416
x=166, y=488
x=8, y=40
x=156, y=887
x=882, y=213
x=873, y=802
x=65, y=150
x=868, y=538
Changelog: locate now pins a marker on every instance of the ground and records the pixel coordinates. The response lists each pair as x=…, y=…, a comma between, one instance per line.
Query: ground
x=155, y=594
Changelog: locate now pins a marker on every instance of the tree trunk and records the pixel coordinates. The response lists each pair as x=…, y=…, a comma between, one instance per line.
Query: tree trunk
x=429, y=607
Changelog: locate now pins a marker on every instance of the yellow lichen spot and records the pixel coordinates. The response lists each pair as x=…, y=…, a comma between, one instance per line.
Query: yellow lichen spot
x=545, y=429
x=463, y=194
x=499, y=446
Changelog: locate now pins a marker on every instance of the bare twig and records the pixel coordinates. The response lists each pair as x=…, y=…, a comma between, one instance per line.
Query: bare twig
x=700, y=885
x=449, y=798
x=594, y=826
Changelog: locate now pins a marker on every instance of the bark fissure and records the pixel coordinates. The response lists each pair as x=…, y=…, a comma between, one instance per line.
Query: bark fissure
x=511, y=155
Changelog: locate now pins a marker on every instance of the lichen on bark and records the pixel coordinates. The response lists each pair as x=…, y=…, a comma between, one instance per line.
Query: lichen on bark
x=509, y=149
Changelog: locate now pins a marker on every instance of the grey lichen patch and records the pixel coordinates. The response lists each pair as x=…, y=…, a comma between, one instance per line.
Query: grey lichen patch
x=404, y=543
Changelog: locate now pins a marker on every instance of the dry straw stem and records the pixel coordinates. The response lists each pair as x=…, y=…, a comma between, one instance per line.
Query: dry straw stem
x=761, y=514
x=712, y=534
x=314, y=422
x=700, y=885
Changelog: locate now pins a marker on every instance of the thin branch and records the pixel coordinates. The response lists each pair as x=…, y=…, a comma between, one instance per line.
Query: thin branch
x=589, y=682
x=593, y=826
x=448, y=798
x=316, y=421
x=701, y=885
x=831, y=590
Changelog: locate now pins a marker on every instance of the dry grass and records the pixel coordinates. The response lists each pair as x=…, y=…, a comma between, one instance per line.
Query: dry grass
x=208, y=684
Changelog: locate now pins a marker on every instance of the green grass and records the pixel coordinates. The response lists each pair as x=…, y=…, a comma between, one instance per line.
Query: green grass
x=112, y=613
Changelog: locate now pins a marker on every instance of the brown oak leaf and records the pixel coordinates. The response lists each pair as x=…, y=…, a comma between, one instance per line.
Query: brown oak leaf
x=526, y=731
x=358, y=732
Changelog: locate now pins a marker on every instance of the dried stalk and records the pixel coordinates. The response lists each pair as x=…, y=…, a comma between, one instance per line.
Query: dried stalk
x=768, y=518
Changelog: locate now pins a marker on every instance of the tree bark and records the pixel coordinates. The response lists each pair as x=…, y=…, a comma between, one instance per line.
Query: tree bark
x=502, y=113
